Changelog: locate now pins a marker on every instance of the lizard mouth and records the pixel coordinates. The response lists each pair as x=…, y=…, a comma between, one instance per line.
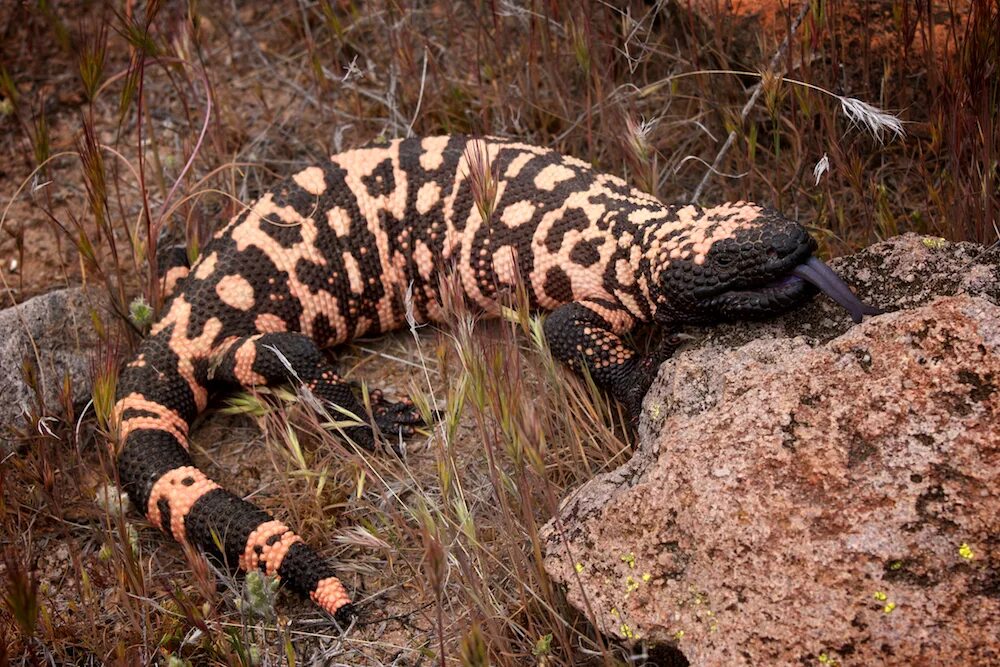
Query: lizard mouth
x=790, y=289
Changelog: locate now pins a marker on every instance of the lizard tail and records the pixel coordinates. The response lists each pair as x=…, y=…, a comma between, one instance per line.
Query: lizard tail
x=159, y=394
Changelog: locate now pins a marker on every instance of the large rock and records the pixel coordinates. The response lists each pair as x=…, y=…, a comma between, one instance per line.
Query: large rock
x=813, y=499
x=55, y=335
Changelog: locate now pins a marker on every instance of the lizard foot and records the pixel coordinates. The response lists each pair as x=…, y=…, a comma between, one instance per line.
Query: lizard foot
x=395, y=418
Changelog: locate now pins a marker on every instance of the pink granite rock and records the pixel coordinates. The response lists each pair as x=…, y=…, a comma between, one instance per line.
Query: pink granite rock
x=791, y=504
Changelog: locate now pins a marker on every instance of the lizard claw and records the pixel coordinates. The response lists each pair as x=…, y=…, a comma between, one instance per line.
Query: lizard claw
x=394, y=421
x=395, y=418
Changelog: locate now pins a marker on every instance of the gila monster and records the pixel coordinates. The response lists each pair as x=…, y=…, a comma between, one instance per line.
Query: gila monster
x=328, y=255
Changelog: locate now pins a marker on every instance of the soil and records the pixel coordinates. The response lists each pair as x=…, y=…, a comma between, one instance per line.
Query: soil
x=876, y=22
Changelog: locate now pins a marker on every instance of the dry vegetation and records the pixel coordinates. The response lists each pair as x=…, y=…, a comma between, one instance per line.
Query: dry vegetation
x=129, y=125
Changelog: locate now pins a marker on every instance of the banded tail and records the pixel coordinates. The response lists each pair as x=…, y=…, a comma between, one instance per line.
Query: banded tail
x=159, y=394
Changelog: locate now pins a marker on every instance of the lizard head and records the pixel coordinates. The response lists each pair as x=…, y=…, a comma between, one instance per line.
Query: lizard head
x=741, y=261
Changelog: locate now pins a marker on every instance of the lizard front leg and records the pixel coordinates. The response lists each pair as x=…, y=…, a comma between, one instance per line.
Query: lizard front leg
x=587, y=334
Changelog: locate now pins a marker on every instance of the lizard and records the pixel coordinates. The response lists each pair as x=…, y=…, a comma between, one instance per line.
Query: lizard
x=329, y=255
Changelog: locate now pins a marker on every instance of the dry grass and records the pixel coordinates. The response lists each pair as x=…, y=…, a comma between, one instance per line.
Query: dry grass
x=129, y=126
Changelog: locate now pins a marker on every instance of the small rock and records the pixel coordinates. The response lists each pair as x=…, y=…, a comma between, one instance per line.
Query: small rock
x=111, y=499
x=58, y=325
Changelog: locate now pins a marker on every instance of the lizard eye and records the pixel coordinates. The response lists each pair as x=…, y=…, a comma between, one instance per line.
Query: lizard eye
x=725, y=259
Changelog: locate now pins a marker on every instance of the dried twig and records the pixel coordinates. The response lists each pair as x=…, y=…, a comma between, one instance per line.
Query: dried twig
x=420, y=97
x=757, y=89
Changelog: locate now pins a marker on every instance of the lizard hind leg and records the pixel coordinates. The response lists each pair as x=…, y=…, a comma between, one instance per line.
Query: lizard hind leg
x=293, y=358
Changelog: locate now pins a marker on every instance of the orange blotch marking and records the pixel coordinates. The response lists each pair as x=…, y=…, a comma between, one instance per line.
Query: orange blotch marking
x=505, y=265
x=172, y=277
x=236, y=292
x=206, y=267
x=576, y=162
x=189, y=349
x=424, y=260
x=166, y=419
x=353, y=273
x=517, y=164
x=339, y=221
x=269, y=323
x=517, y=213
x=428, y=195
x=270, y=555
x=625, y=273
x=433, y=152
x=330, y=594
x=641, y=216
x=552, y=175
x=180, y=497
x=244, y=358
x=312, y=180
x=629, y=302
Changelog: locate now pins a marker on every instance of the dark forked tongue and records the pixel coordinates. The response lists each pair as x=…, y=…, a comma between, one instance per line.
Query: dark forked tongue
x=822, y=276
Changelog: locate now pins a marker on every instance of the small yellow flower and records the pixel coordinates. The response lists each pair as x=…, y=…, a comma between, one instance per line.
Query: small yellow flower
x=631, y=584
x=646, y=576
x=578, y=567
x=679, y=635
x=880, y=596
x=889, y=607
x=626, y=631
x=965, y=551
x=629, y=559
x=614, y=612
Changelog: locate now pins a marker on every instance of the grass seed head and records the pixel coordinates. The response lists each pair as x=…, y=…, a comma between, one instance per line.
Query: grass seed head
x=484, y=176
x=877, y=122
